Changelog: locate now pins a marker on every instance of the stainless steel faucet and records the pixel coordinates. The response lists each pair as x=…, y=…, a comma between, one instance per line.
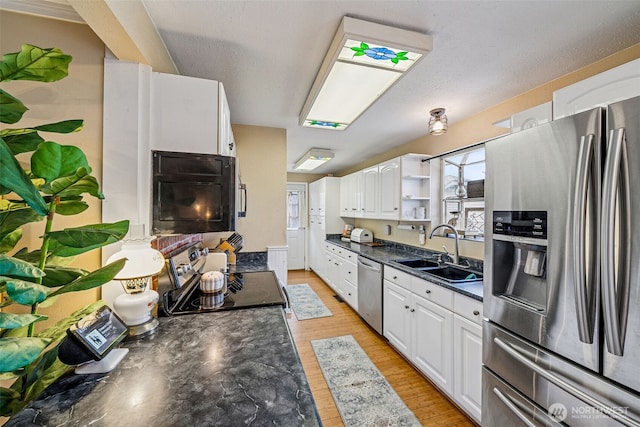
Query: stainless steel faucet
x=456, y=255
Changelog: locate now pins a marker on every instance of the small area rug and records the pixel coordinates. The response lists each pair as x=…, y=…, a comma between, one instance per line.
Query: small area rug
x=362, y=394
x=306, y=304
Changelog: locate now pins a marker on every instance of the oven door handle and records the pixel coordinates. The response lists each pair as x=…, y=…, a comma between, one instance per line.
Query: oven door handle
x=564, y=385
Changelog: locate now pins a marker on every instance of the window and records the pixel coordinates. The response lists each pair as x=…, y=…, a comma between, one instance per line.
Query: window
x=463, y=174
x=295, y=202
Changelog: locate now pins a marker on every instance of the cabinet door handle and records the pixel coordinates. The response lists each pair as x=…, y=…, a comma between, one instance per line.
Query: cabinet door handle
x=406, y=306
x=428, y=291
x=412, y=310
x=476, y=312
x=395, y=277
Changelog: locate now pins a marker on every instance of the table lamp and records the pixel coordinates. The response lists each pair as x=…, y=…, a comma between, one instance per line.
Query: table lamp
x=135, y=307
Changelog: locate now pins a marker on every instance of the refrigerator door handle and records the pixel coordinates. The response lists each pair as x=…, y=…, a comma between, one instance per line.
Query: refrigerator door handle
x=615, y=296
x=584, y=294
x=565, y=385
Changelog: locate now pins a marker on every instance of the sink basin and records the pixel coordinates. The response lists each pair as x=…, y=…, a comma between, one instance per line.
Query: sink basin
x=455, y=274
x=418, y=263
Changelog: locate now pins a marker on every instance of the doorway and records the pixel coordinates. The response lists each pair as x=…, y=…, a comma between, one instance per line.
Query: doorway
x=296, y=225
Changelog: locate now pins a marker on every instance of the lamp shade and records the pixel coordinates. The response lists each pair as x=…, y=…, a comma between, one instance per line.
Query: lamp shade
x=438, y=121
x=142, y=260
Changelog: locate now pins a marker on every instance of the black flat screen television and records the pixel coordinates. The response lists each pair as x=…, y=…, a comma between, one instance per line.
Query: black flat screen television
x=193, y=193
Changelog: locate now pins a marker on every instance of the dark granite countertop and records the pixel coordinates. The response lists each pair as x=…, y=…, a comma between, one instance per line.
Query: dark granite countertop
x=236, y=367
x=388, y=253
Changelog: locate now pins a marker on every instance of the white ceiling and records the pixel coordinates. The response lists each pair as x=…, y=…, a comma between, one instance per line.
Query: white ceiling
x=267, y=54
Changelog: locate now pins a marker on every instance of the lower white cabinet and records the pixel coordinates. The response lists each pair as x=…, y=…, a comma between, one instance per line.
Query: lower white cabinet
x=342, y=273
x=467, y=360
x=439, y=331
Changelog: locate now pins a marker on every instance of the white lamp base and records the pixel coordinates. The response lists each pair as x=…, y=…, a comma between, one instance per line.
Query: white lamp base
x=135, y=310
x=105, y=365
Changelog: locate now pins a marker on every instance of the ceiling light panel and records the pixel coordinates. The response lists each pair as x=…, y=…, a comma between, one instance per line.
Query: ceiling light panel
x=364, y=60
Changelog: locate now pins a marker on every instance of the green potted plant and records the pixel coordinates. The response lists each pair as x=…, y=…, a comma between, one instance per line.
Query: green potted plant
x=55, y=182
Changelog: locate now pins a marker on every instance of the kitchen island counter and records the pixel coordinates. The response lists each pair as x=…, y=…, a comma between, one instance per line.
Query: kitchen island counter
x=237, y=367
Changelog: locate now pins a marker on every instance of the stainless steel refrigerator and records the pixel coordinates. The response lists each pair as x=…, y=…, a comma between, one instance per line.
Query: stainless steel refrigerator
x=562, y=272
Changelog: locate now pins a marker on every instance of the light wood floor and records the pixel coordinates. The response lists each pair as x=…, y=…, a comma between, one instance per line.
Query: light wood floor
x=426, y=402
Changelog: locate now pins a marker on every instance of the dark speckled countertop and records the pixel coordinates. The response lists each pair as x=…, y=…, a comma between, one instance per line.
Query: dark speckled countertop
x=388, y=253
x=229, y=368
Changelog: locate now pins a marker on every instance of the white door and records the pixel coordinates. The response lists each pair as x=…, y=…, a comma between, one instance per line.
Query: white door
x=296, y=224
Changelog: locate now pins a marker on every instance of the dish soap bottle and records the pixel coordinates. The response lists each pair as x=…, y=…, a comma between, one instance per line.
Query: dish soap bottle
x=421, y=235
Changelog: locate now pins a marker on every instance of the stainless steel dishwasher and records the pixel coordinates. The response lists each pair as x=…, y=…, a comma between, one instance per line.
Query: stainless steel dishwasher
x=370, y=292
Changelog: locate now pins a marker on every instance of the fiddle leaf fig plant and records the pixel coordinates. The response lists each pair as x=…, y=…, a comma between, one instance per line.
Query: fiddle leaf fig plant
x=55, y=182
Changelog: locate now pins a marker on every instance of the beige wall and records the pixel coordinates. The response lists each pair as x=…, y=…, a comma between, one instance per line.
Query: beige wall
x=262, y=153
x=79, y=96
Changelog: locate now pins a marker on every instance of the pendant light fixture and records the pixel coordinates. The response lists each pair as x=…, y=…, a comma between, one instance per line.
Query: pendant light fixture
x=438, y=121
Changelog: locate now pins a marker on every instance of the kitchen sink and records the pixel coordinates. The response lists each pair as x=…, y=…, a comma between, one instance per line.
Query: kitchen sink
x=418, y=263
x=454, y=274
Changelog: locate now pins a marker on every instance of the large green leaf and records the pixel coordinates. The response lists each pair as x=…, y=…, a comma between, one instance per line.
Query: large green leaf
x=10, y=266
x=11, y=108
x=71, y=207
x=13, y=321
x=94, y=279
x=65, y=126
x=74, y=241
x=28, y=139
x=52, y=160
x=10, y=240
x=17, y=215
x=34, y=63
x=25, y=293
x=23, y=142
x=45, y=372
x=74, y=185
x=14, y=178
x=18, y=352
x=60, y=276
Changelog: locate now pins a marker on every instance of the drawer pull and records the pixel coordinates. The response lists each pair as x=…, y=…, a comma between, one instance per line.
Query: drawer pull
x=428, y=291
x=476, y=312
x=395, y=277
x=412, y=310
x=406, y=306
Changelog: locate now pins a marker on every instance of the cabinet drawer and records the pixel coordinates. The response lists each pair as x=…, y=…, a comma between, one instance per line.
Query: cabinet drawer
x=432, y=292
x=468, y=308
x=349, y=256
x=398, y=277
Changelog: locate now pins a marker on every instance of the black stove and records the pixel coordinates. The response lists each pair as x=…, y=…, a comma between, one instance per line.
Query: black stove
x=243, y=290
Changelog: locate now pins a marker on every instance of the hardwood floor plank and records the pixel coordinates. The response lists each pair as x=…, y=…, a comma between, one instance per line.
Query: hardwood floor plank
x=430, y=406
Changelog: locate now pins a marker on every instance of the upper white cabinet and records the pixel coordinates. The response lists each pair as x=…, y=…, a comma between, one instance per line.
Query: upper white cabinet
x=415, y=188
x=370, y=191
x=190, y=115
x=389, y=189
x=532, y=117
x=351, y=197
x=614, y=85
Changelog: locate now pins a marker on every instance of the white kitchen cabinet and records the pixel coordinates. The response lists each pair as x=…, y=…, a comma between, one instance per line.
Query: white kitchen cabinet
x=324, y=218
x=439, y=331
x=397, y=324
x=613, y=85
x=532, y=117
x=432, y=347
x=389, y=189
x=467, y=351
x=342, y=273
x=189, y=115
x=415, y=187
x=351, y=203
x=370, y=192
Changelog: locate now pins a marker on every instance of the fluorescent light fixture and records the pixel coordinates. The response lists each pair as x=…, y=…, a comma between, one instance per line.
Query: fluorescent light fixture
x=314, y=158
x=364, y=60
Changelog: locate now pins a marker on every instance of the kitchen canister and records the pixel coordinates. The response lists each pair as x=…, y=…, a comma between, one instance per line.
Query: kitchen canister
x=212, y=282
